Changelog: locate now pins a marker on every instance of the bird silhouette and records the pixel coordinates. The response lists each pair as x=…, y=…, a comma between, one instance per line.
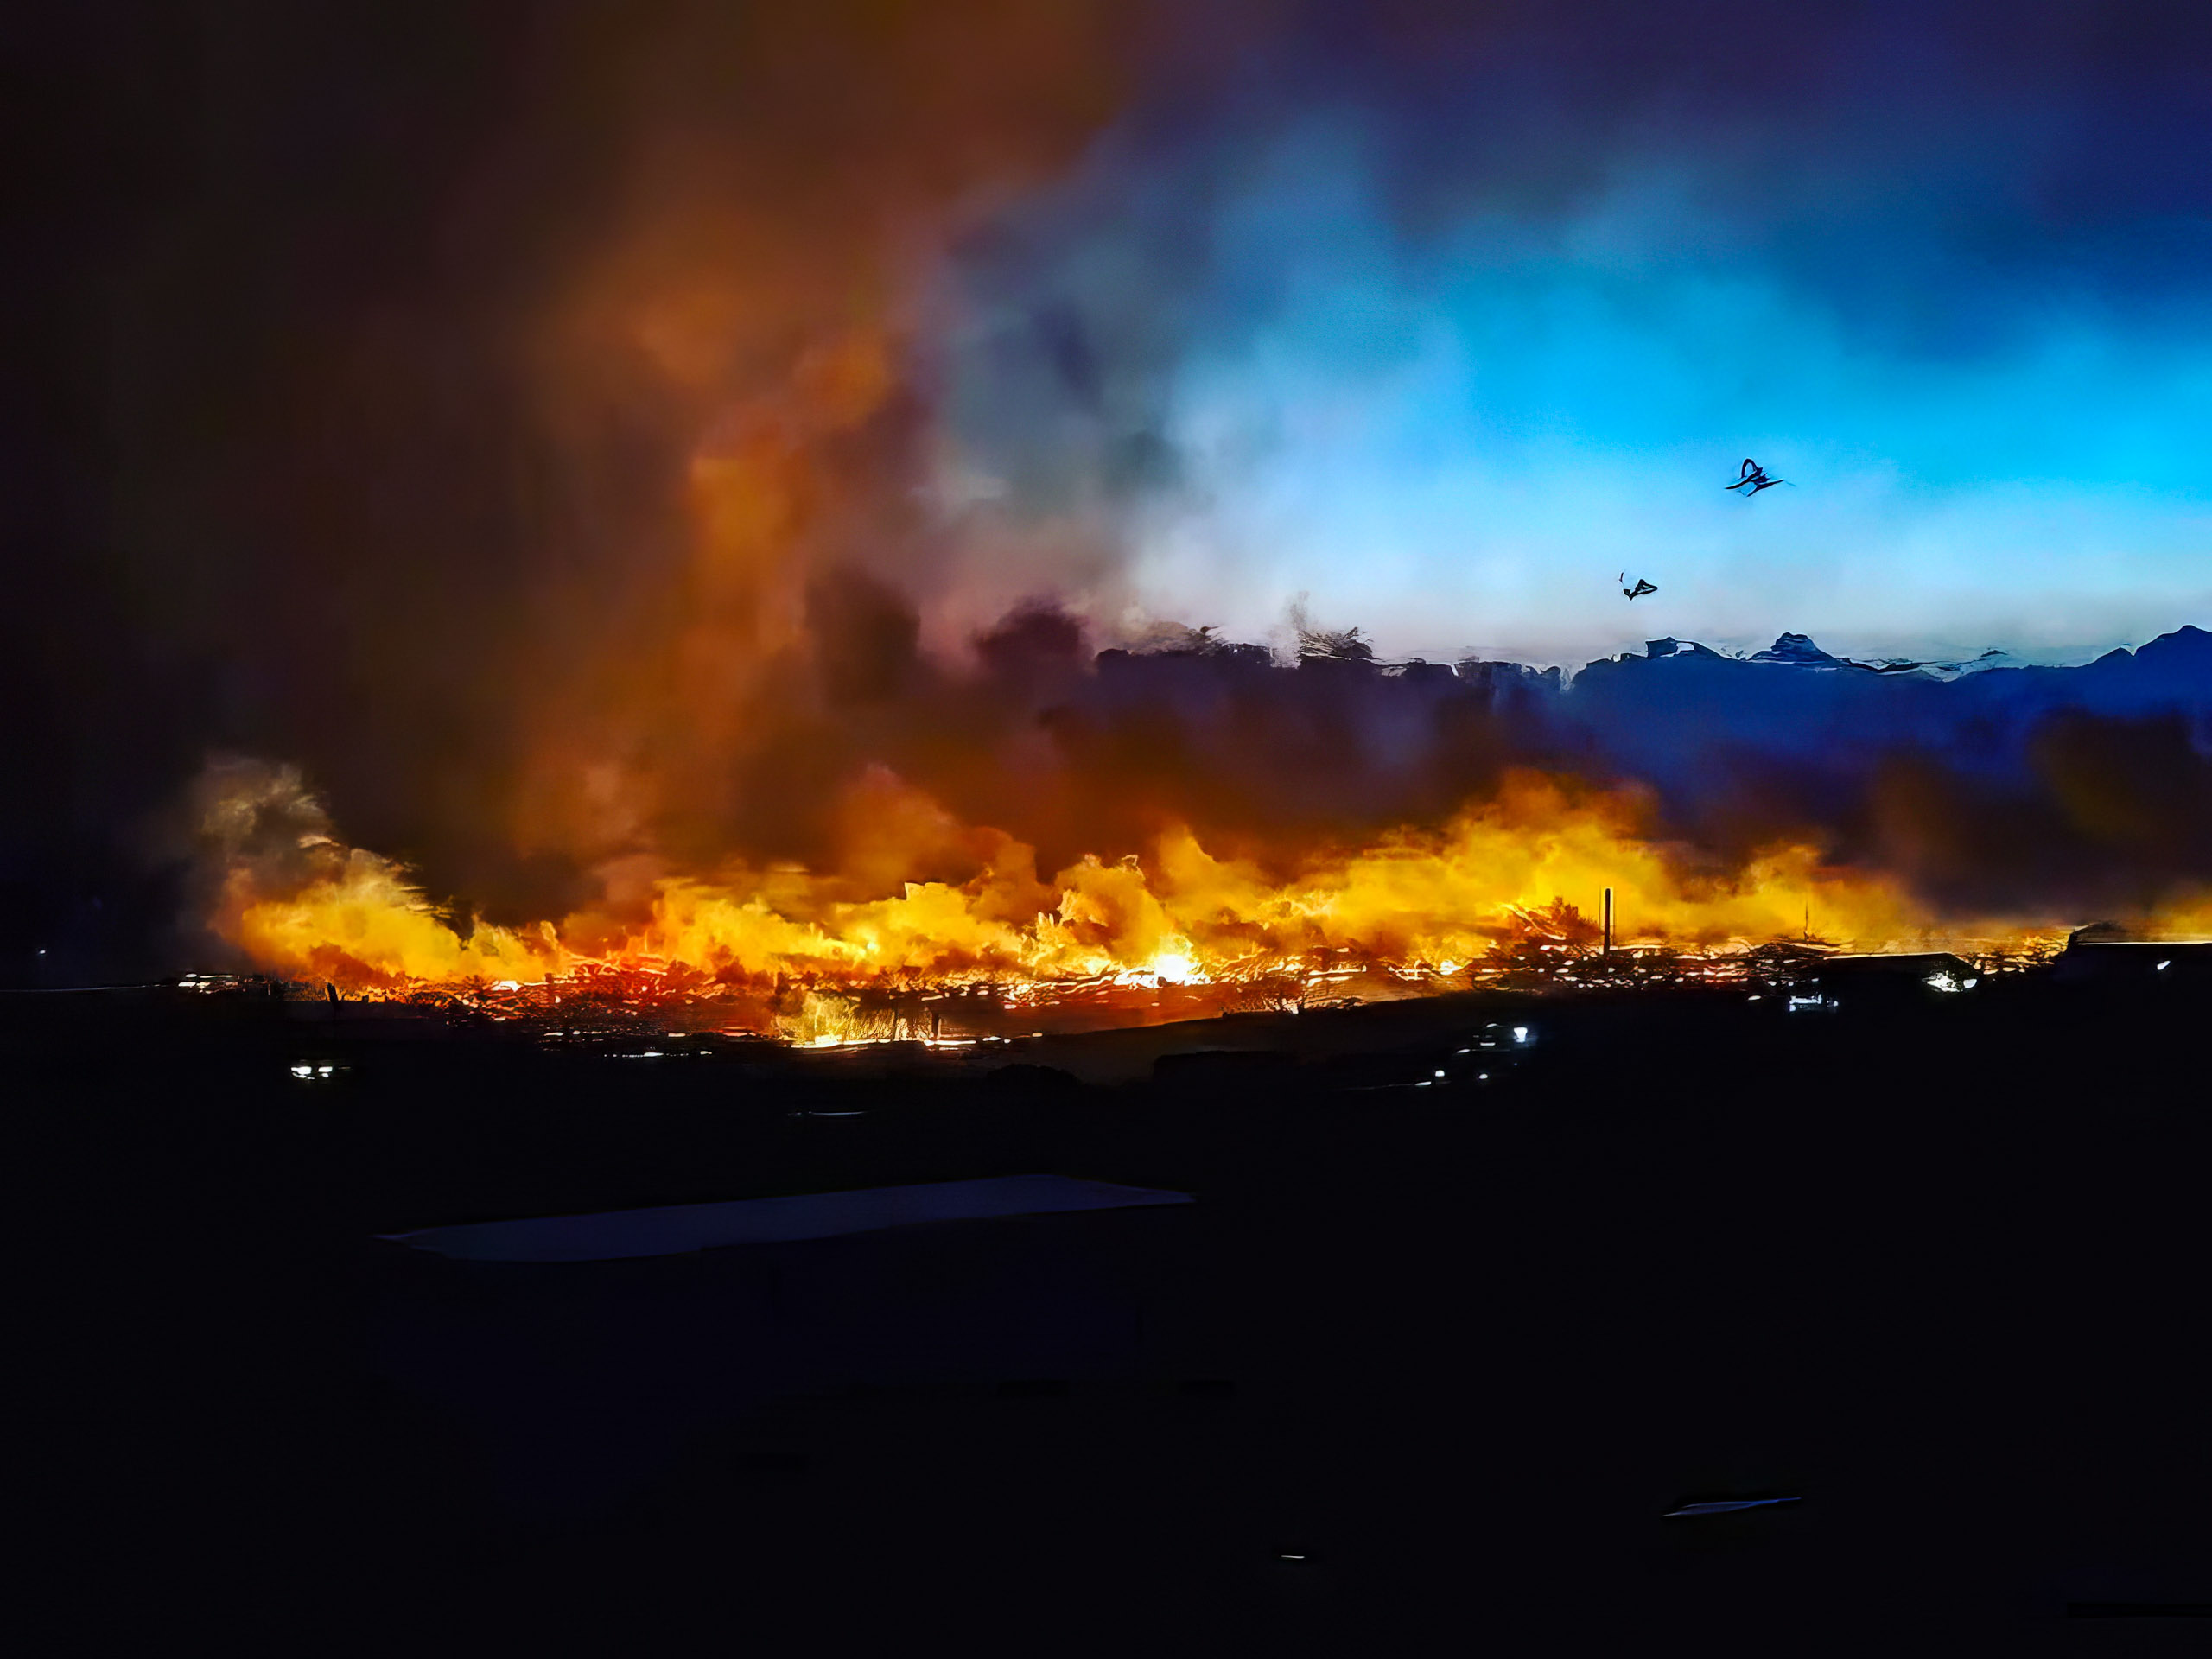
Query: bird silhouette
x=1753, y=479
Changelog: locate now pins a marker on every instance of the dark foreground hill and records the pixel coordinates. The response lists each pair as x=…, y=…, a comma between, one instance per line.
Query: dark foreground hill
x=1417, y=1361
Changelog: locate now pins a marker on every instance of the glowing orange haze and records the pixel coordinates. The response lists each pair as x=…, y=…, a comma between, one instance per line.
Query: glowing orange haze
x=1440, y=901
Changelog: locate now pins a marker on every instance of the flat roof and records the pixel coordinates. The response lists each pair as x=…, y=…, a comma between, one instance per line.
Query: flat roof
x=678, y=1230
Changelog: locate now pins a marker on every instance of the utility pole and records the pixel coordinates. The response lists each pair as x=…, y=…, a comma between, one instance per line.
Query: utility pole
x=1609, y=922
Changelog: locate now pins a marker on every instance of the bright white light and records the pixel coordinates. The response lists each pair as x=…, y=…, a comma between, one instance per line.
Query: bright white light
x=1172, y=968
x=1967, y=985
x=507, y=985
x=2162, y=967
x=1519, y=1034
x=822, y=1042
x=324, y=1070
x=1439, y=1074
x=1942, y=981
x=303, y=1071
x=1447, y=968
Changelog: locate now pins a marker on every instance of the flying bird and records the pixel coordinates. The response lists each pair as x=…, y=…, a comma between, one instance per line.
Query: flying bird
x=1641, y=588
x=1753, y=479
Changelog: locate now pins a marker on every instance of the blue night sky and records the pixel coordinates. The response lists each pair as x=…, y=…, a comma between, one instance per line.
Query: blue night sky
x=1443, y=328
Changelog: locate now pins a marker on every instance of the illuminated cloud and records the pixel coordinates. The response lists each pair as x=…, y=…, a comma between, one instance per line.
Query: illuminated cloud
x=1443, y=334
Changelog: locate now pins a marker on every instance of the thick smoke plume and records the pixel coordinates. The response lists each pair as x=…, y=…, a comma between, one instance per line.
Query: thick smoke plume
x=1257, y=817
x=514, y=415
x=608, y=447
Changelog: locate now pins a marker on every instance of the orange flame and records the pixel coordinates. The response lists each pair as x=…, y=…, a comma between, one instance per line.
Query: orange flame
x=1441, y=902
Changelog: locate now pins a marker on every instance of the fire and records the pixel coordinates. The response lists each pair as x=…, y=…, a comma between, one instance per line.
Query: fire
x=366, y=927
x=1482, y=893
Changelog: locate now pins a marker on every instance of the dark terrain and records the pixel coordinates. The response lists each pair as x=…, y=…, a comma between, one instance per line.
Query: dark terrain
x=1933, y=1264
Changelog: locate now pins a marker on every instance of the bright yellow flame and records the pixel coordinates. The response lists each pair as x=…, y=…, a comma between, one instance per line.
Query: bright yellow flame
x=1486, y=888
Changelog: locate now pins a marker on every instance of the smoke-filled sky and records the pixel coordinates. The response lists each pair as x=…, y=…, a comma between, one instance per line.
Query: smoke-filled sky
x=568, y=432
x=1447, y=323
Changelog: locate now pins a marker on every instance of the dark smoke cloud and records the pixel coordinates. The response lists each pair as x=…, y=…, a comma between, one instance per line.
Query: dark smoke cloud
x=1938, y=174
x=2044, y=793
x=2038, y=791
x=375, y=349
x=1542, y=255
x=530, y=422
